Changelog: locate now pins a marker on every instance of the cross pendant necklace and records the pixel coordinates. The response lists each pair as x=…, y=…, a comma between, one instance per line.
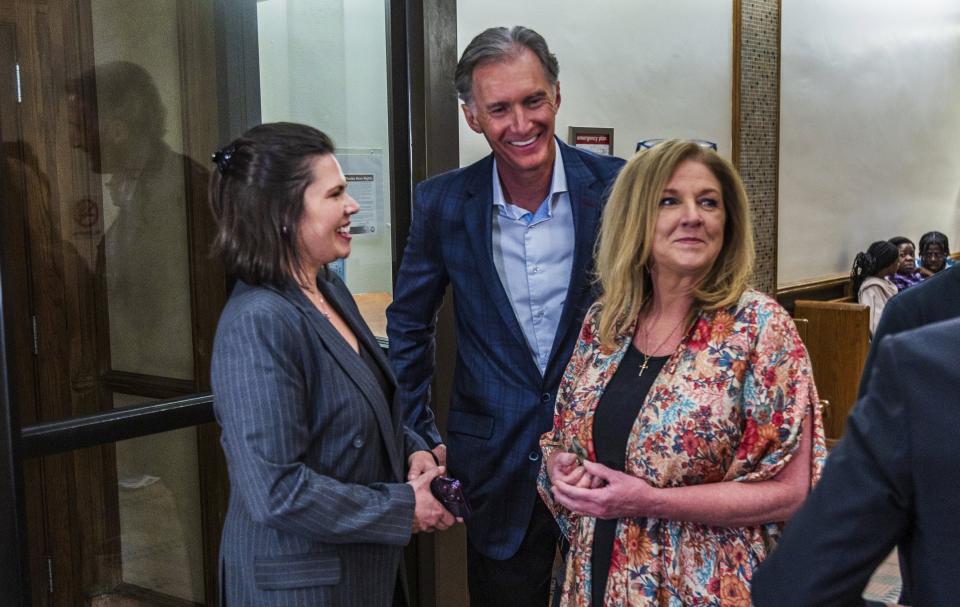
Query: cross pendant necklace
x=643, y=367
x=646, y=357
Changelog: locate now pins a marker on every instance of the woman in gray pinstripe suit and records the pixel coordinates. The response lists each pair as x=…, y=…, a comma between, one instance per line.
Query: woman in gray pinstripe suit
x=319, y=510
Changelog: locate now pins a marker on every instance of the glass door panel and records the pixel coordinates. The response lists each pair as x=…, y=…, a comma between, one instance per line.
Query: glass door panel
x=146, y=549
x=138, y=167
x=105, y=163
x=324, y=63
x=160, y=511
x=106, y=140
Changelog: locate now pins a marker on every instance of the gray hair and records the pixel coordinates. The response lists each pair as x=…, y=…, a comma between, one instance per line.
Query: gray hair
x=501, y=44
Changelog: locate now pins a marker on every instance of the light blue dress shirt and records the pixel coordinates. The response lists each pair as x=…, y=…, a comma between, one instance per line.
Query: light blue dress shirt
x=533, y=254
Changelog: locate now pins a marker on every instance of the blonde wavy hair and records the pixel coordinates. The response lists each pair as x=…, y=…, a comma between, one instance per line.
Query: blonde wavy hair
x=624, y=249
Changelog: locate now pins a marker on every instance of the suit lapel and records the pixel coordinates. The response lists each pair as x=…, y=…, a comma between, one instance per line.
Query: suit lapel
x=359, y=328
x=478, y=219
x=585, y=197
x=350, y=361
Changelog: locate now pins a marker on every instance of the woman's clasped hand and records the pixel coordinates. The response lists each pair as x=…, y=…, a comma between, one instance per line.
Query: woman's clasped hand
x=595, y=490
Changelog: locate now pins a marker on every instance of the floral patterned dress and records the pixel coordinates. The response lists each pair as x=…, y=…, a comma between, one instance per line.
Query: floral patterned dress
x=727, y=406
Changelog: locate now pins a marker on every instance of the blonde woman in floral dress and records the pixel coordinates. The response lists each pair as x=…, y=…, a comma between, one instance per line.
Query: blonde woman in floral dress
x=686, y=430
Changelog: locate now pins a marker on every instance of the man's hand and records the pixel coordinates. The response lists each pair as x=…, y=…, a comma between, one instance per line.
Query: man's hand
x=418, y=463
x=429, y=514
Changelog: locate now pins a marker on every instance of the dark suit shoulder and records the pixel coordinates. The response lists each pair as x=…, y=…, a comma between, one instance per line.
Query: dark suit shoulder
x=923, y=346
x=919, y=367
x=604, y=167
x=457, y=178
x=259, y=305
x=936, y=298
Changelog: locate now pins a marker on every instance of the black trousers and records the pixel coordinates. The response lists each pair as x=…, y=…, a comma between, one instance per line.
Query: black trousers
x=522, y=580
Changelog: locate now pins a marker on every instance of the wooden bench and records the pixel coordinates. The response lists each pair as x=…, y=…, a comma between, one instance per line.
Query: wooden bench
x=837, y=336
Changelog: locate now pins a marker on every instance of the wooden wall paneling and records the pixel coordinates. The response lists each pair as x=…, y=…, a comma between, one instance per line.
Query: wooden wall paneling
x=838, y=340
x=51, y=395
x=13, y=202
x=79, y=488
x=832, y=288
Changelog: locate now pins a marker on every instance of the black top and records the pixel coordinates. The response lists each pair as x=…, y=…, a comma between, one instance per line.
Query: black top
x=365, y=354
x=367, y=357
x=612, y=422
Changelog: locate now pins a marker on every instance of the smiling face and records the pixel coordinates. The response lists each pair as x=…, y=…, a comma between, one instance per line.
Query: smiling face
x=907, y=263
x=323, y=234
x=688, y=234
x=515, y=108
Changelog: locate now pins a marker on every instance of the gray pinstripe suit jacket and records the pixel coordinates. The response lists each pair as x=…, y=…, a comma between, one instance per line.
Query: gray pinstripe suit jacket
x=318, y=509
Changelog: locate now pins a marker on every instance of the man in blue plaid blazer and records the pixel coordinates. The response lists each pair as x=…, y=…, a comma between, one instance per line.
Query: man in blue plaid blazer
x=513, y=235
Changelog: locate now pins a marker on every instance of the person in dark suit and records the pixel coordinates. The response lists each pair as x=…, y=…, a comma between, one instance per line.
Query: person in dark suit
x=513, y=235
x=891, y=481
x=319, y=510
x=935, y=299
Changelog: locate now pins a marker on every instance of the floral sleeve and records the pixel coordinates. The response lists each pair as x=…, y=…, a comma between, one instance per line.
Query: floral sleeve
x=778, y=394
x=566, y=419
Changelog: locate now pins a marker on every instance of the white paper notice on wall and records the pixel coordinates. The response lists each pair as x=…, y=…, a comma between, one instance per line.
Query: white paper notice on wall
x=363, y=169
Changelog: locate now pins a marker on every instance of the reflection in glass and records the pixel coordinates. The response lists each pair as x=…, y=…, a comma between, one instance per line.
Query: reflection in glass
x=144, y=185
x=145, y=245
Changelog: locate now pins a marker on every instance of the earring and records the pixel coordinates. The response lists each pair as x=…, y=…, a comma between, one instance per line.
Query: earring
x=283, y=230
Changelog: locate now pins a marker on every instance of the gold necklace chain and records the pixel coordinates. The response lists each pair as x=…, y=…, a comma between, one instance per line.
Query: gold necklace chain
x=647, y=357
x=323, y=302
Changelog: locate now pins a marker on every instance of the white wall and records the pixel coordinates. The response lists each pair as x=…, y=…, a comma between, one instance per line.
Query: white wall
x=869, y=128
x=648, y=69
x=323, y=63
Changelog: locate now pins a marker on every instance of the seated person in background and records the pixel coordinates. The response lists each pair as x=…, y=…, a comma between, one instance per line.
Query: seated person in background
x=867, y=278
x=934, y=253
x=906, y=274
x=686, y=429
x=892, y=480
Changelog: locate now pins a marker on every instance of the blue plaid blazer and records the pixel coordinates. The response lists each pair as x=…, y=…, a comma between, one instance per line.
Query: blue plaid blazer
x=501, y=403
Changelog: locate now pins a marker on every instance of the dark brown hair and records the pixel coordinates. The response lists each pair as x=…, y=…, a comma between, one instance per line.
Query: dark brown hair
x=878, y=256
x=502, y=44
x=256, y=195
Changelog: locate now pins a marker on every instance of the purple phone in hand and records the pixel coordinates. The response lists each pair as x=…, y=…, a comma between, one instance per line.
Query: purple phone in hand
x=449, y=492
